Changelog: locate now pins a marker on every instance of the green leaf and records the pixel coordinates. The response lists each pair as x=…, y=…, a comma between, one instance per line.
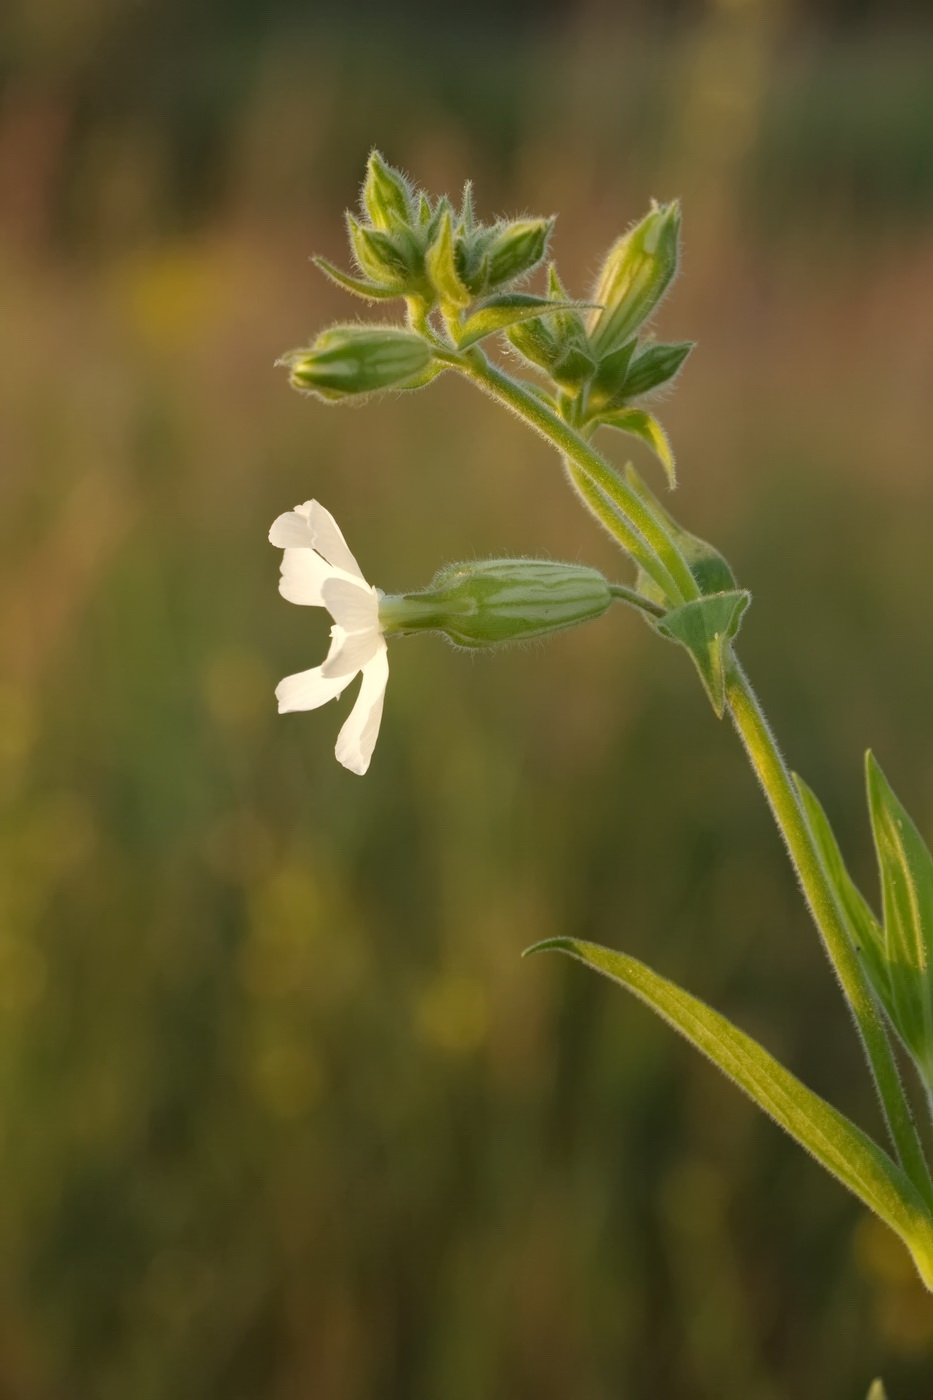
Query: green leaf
x=643, y=425
x=906, y=869
x=498, y=313
x=653, y=366
x=370, y=291
x=836, y=1143
x=705, y=626
x=864, y=931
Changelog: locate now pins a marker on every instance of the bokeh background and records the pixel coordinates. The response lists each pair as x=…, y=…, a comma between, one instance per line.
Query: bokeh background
x=283, y=1113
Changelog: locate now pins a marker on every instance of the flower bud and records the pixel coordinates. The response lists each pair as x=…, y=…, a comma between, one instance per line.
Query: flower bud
x=387, y=197
x=517, y=248
x=637, y=272
x=348, y=360
x=378, y=255
x=494, y=601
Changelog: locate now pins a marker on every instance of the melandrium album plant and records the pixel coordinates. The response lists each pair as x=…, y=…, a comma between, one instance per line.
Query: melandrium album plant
x=595, y=366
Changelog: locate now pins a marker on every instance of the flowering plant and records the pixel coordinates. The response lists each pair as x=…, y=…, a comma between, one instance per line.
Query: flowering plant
x=459, y=282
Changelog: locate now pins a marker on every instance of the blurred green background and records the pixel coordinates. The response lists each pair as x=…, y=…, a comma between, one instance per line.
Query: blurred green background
x=282, y=1113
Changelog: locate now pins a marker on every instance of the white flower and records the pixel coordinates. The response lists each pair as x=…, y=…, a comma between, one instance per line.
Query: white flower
x=319, y=571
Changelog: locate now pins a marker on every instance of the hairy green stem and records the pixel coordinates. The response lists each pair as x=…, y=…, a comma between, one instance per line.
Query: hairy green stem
x=663, y=560
x=634, y=525
x=775, y=779
x=629, y=595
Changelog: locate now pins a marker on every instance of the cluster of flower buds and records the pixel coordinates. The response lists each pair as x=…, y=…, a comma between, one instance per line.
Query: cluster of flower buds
x=599, y=364
x=408, y=246
x=435, y=258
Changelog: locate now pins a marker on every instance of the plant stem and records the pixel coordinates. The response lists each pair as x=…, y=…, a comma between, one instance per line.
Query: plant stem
x=775, y=779
x=629, y=595
x=606, y=495
x=635, y=526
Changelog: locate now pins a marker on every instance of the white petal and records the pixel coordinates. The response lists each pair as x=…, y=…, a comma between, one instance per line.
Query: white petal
x=357, y=738
x=303, y=575
x=291, y=531
x=328, y=540
x=350, y=651
x=355, y=606
x=308, y=689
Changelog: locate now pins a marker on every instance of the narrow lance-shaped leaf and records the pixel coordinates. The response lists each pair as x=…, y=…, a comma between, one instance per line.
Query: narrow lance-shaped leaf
x=498, y=313
x=864, y=931
x=705, y=627
x=370, y=291
x=906, y=869
x=836, y=1143
x=643, y=425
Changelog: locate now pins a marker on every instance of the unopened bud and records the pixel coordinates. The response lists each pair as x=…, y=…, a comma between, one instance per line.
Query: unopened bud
x=495, y=601
x=387, y=197
x=348, y=360
x=516, y=249
x=637, y=272
x=378, y=255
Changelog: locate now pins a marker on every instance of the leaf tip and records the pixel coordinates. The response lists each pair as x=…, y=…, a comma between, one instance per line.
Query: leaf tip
x=550, y=945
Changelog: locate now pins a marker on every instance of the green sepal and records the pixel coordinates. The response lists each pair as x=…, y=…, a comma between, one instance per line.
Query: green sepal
x=473, y=258
x=906, y=869
x=490, y=602
x=351, y=360
x=705, y=626
x=642, y=425
x=467, y=215
x=605, y=390
x=709, y=568
x=370, y=291
x=500, y=312
x=387, y=196
x=535, y=342
x=865, y=932
x=653, y=366
x=569, y=328
x=432, y=226
x=836, y=1143
x=573, y=369
x=441, y=266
